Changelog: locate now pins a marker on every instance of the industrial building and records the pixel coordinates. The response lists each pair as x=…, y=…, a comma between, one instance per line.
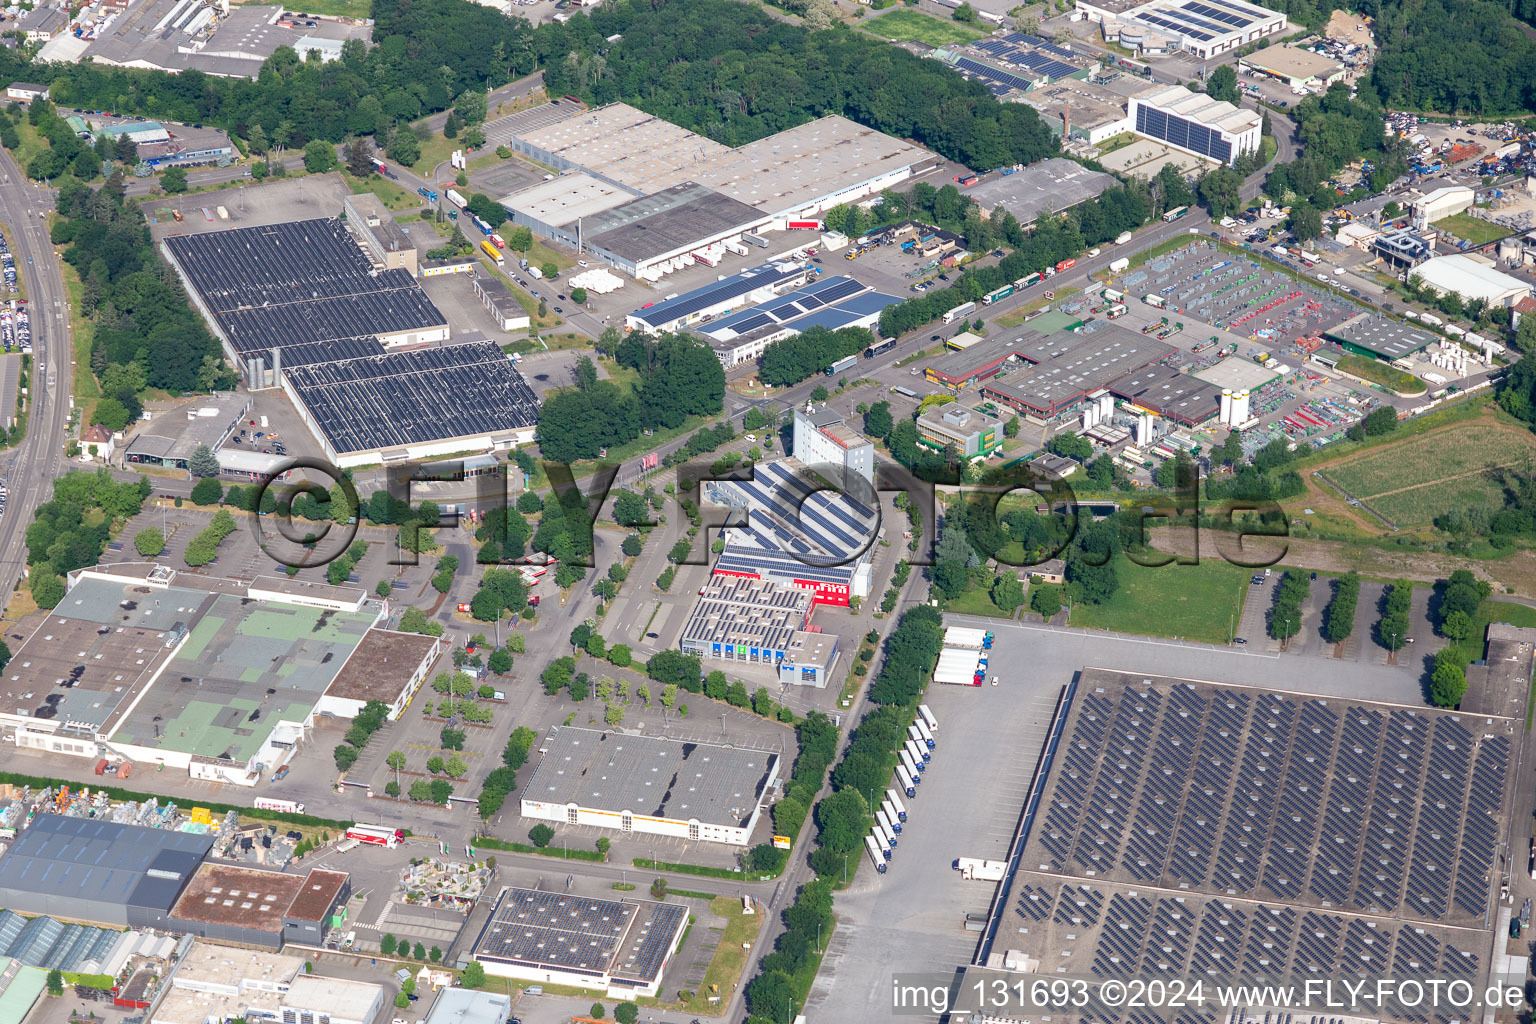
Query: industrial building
x=289, y=294
x=829, y=302
x=970, y=431
x=1073, y=111
x=1294, y=67
x=1472, y=277
x=1207, y=866
x=466, y=1006
x=386, y=666
x=251, y=906
x=1165, y=391
x=650, y=784
x=759, y=622
x=172, y=36
x=649, y=197
x=1402, y=248
x=168, y=439
x=1377, y=337
x=400, y=406
x=1440, y=200
x=825, y=442
x=787, y=527
x=1067, y=368
x=219, y=983
x=1051, y=185
x=1204, y=28
x=496, y=296
x=374, y=227
x=218, y=678
x=1195, y=123
x=732, y=291
x=1015, y=65
x=618, y=947
x=87, y=869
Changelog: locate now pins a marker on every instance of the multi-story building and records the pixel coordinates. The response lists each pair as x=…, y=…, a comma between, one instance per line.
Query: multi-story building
x=1195, y=123
x=760, y=622
x=824, y=442
x=971, y=431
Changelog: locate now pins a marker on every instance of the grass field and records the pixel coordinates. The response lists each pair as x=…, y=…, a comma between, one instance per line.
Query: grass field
x=1412, y=482
x=1191, y=602
x=1016, y=317
x=907, y=26
x=976, y=602
x=391, y=195
x=1473, y=229
x=335, y=8
x=730, y=954
x=1380, y=373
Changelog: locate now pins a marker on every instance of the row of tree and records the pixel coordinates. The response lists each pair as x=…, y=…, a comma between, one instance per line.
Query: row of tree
x=70, y=530
x=1339, y=616
x=502, y=779
x=791, y=360
x=1285, y=616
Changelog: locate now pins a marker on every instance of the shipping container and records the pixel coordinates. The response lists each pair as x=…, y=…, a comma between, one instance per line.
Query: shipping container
x=845, y=363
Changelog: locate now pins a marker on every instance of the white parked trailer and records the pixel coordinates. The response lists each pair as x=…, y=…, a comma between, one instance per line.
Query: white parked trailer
x=981, y=870
x=908, y=783
x=886, y=836
x=919, y=752
x=925, y=732
x=877, y=857
x=927, y=717
x=965, y=636
x=895, y=799
x=886, y=823
x=914, y=768
x=892, y=818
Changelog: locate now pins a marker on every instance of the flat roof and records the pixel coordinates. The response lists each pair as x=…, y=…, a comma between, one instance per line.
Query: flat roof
x=816, y=295
x=627, y=938
x=412, y=397
x=667, y=221
x=1390, y=339
x=245, y=666
x=715, y=292
x=624, y=144
x=466, y=1006
x=318, y=894
x=800, y=165
x=298, y=282
x=1470, y=278
x=746, y=612
x=175, y=433
x=1053, y=184
x=101, y=861
x=1169, y=392
x=1234, y=373
x=1293, y=62
x=567, y=198
x=386, y=230
x=942, y=419
x=381, y=666
x=1068, y=366
x=1207, y=866
x=1088, y=107
x=233, y=894
x=651, y=775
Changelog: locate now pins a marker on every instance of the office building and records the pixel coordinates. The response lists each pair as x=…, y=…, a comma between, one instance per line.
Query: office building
x=825, y=442
x=973, y=433
x=1294, y=67
x=649, y=784
x=374, y=227
x=1195, y=123
x=219, y=983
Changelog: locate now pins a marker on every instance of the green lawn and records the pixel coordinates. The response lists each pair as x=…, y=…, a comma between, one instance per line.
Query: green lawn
x=1191, y=602
x=904, y=25
x=336, y=8
x=976, y=602
x=1380, y=373
x=1473, y=229
x=391, y=195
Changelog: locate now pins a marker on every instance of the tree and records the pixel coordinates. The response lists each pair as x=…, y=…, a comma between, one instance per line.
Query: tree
x=48, y=589
x=1221, y=189
x=1045, y=599
x=1382, y=420
x=540, y=835
x=579, y=296
x=420, y=952
x=402, y=1000
x=207, y=491
x=1306, y=223
x=626, y=1013
x=319, y=156
x=1011, y=428
x=403, y=147
x=819, y=393
x=549, y=270
x=843, y=819
x=1007, y=591
x=1222, y=84
x=620, y=655
x=420, y=791
x=203, y=462
x=1457, y=626
x=359, y=157
x=456, y=767
x=345, y=755
x=473, y=976
x=174, y=180
x=260, y=170
x=1448, y=682
x=387, y=944
x=55, y=982
x=149, y=542
x=599, y=1010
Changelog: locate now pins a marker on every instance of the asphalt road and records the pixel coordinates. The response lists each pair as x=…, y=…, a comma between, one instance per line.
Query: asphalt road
x=30, y=469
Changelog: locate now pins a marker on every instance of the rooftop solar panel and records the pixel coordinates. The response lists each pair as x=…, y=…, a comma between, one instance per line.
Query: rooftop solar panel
x=722, y=291
x=997, y=75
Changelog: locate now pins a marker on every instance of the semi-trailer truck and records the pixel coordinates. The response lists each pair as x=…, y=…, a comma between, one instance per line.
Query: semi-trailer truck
x=925, y=732
x=886, y=823
x=456, y=199
x=908, y=783
x=886, y=835
x=927, y=717
x=876, y=856
x=981, y=870
x=892, y=818
x=913, y=767
x=846, y=363
x=919, y=752
x=901, y=810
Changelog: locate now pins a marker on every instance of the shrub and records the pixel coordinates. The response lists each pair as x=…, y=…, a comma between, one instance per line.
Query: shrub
x=540, y=835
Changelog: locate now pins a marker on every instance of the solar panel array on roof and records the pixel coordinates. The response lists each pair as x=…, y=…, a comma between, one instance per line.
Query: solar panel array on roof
x=298, y=282
x=1038, y=42
x=580, y=934
x=413, y=397
x=709, y=295
x=750, y=553
x=1041, y=62
x=783, y=308
x=991, y=74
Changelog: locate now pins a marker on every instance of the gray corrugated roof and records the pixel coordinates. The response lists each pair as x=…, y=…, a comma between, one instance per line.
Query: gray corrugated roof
x=102, y=861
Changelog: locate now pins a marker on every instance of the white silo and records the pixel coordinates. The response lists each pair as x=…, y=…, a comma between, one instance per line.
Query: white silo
x=1107, y=408
x=1087, y=417
x=1240, y=405
x=1143, y=431
x=1226, y=406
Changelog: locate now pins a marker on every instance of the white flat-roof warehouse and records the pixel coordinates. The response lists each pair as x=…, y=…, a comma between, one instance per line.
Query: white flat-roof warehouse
x=1195, y=123
x=1204, y=28
x=651, y=784
x=644, y=194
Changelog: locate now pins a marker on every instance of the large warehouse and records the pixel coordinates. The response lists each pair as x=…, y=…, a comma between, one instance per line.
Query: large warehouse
x=1195, y=123
x=1204, y=28
x=617, y=947
x=1472, y=277
x=218, y=678
x=645, y=195
x=399, y=406
x=87, y=869
x=650, y=784
x=1055, y=185
x=1190, y=859
x=733, y=291
x=759, y=622
x=1378, y=337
